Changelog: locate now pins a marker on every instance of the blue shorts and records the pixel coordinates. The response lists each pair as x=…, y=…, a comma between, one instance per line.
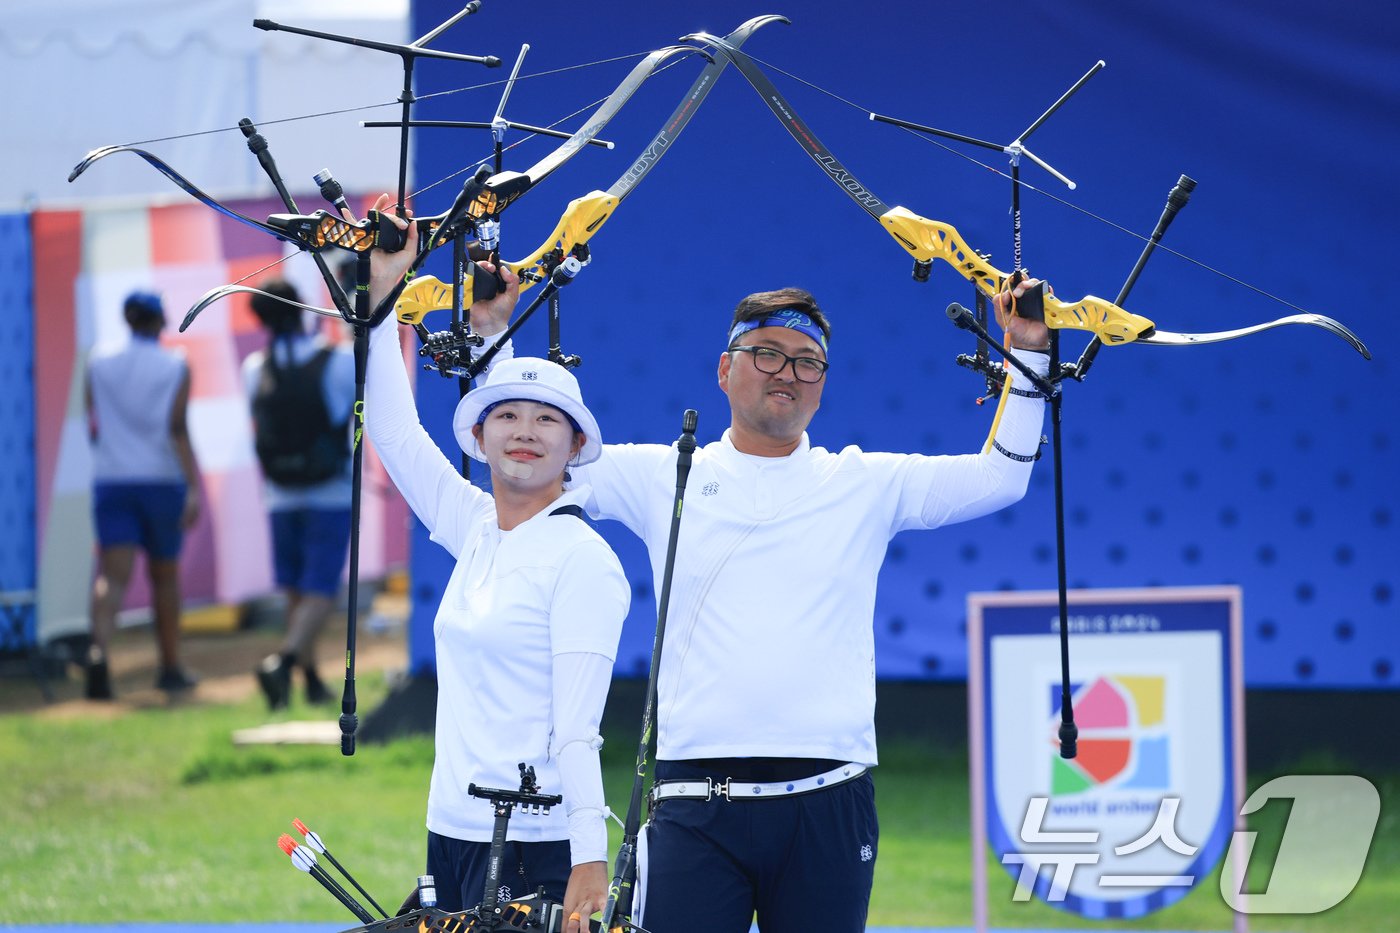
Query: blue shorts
x=459, y=870
x=144, y=515
x=309, y=548
x=801, y=863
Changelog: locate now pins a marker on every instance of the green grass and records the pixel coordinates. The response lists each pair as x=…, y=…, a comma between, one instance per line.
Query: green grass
x=153, y=815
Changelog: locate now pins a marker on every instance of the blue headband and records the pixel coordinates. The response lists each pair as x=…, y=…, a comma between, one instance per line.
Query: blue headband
x=790, y=318
x=492, y=407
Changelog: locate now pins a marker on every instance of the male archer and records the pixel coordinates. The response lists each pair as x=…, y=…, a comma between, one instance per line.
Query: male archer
x=763, y=802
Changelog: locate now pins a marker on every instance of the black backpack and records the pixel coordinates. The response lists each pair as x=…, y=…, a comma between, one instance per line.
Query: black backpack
x=295, y=440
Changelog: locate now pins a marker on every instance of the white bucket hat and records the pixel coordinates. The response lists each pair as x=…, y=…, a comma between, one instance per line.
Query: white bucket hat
x=535, y=380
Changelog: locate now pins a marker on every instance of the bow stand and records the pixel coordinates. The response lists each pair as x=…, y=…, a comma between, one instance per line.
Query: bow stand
x=617, y=912
x=532, y=911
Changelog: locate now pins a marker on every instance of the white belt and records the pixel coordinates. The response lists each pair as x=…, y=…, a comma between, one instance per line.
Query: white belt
x=730, y=789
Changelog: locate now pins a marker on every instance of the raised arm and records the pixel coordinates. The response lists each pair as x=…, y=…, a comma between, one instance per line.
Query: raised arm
x=430, y=484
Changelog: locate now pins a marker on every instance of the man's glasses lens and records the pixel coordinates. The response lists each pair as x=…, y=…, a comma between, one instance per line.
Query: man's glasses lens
x=768, y=360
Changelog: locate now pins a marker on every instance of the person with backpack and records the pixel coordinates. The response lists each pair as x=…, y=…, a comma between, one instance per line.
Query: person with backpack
x=302, y=392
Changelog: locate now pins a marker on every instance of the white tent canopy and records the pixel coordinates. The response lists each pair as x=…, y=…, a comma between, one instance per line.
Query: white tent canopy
x=89, y=73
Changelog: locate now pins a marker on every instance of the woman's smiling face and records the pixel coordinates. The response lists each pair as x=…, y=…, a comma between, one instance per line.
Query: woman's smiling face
x=527, y=443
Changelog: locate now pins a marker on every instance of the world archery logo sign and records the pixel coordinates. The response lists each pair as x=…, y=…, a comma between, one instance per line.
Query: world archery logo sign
x=1124, y=742
x=1145, y=809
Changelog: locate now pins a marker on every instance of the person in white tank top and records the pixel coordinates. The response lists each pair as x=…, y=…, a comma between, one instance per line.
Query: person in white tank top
x=145, y=485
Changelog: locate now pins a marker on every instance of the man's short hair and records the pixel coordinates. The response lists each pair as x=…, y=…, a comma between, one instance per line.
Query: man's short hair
x=277, y=316
x=143, y=309
x=761, y=304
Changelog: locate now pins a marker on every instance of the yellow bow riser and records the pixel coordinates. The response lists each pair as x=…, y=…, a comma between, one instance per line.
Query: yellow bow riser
x=581, y=219
x=425, y=293
x=926, y=239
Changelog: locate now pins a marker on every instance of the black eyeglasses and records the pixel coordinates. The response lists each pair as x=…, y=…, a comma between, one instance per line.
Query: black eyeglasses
x=770, y=361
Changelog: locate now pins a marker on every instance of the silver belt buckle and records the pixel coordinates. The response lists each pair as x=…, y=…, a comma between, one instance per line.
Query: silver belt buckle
x=719, y=790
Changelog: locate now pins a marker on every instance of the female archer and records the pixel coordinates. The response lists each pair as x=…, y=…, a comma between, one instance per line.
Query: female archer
x=528, y=625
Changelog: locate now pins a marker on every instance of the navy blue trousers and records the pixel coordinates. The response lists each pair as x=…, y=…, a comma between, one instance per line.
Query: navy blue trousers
x=459, y=870
x=799, y=863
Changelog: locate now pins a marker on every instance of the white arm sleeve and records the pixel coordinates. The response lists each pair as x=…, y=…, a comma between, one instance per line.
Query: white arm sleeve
x=580, y=689
x=930, y=491
x=621, y=483
x=506, y=352
x=430, y=484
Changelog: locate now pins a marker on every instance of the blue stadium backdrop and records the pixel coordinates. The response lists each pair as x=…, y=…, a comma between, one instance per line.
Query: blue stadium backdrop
x=1267, y=462
x=17, y=569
